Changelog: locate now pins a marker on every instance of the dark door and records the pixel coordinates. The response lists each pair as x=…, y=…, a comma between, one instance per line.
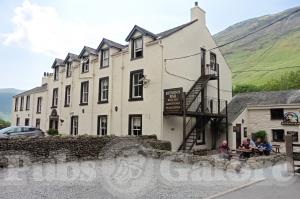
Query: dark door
x=53, y=124
x=238, y=135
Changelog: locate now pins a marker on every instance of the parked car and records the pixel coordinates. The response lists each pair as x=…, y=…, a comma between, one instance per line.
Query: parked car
x=21, y=131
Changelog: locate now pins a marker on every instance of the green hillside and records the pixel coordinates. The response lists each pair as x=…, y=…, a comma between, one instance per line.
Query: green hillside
x=6, y=102
x=268, y=55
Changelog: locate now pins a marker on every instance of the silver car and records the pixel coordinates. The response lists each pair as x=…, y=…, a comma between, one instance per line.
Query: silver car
x=21, y=131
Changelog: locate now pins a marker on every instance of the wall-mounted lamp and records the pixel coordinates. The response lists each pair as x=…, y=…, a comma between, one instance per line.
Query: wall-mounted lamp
x=116, y=108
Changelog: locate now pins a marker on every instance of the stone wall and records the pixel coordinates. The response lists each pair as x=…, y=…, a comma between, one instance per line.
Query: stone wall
x=25, y=151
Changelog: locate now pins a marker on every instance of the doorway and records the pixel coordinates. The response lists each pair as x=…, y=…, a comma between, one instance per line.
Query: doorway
x=238, y=135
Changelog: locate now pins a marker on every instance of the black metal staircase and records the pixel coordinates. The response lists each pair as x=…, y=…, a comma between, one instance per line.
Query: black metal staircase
x=204, y=109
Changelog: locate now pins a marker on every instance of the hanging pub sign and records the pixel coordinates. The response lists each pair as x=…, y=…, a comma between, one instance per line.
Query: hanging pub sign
x=290, y=118
x=173, y=102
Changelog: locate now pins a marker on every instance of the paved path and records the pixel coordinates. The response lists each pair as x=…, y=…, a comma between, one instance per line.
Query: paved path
x=267, y=189
x=135, y=177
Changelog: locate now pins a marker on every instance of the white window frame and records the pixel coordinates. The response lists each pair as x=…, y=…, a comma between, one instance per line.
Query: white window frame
x=55, y=97
x=104, y=58
x=85, y=64
x=137, y=48
x=85, y=92
x=102, y=125
x=104, y=89
x=39, y=105
x=22, y=104
x=56, y=73
x=74, y=125
x=69, y=69
x=137, y=85
x=27, y=102
x=136, y=130
x=68, y=96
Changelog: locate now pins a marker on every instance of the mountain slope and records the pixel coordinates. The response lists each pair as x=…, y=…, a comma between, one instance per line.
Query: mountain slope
x=6, y=101
x=263, y=53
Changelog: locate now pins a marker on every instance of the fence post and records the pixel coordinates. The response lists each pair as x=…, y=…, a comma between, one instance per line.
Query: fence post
x=289, y=151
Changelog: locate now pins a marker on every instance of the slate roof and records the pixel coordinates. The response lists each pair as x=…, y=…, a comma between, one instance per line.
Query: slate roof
x=111, y=44
x=159, y=35
x=173, y=30
x=71, y=56
x=241, y=101
x=57, y=62
x=89, y=50
x=34, y=90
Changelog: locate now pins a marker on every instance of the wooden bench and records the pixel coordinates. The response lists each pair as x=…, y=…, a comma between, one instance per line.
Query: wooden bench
x=276, y=148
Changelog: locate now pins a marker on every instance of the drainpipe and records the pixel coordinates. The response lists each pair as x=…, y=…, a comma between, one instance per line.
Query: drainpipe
x=161, y=88
x=92, y=100
x=122, y=99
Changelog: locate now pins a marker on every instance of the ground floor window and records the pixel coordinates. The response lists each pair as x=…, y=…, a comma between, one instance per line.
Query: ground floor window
x=201, y=137
x=294, y=134
x=26, y=121
x=135, y=125
x=278, y=135
x=245, y=132
x=18, y=121
x=102, y=125
x=74, y=125
x=38, y=123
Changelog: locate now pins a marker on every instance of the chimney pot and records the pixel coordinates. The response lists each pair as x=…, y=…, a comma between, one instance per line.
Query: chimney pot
x=196, y=3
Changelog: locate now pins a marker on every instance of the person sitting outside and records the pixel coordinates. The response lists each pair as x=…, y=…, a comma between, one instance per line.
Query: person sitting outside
x=245, y=146
x=225, y=150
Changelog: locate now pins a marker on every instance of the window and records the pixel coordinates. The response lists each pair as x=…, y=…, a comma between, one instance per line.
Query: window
x=84, y=94
x=55, y=98
x=22, y=104
x=103, y=90
x=213, y=61
x=245, y=132
x=18, y=121
x=74, y=125
x=136, y=85
x=277, y=114
x=39, y=105
x=69, y=69
x=28, y=102
x=26, y=121
x=38, y=123
x=278, y=135
x=135, y=125
x=104, y=58
x=137, y=48
x=294, y=135
x=56, y=73
x=67, y=95
x=203, y=59
x=85, y=64
x=16, y=104
x=102, y=125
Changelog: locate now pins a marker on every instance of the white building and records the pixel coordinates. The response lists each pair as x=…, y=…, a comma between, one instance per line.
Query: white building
x=119, y=89
x=275, y=112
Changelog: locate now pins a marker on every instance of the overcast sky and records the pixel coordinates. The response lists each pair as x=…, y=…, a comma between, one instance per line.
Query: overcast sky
x=34, y=32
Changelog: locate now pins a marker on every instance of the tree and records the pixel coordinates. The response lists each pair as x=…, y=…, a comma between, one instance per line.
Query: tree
x=4, y=124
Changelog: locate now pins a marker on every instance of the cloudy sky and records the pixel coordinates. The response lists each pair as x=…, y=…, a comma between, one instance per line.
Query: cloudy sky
x=34, y=32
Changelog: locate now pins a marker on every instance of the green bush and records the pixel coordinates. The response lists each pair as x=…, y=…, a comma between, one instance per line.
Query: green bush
x=261, y=134
x=52, y=132
x=4, y=124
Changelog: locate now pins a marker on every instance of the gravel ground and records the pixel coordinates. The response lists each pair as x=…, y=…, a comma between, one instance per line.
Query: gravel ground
x=132, y=177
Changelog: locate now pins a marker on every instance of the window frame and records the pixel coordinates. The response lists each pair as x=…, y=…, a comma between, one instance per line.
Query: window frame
x=68, y=69
x=68, y=96
x=100, y=127
x=39, y=105
x=18, y=121
x=130, y=124
x=295, y=138
x=85, y=65
x=37, y=121
x=101, y=90
x=27, y=120
x=103, y=51
x=22, y=103
x=82, y=93
x=55, y=98
x=134, y=50
x=131, y=86
x=276, y=131
x=272, y=117
x=213, y=66
x=56, y=73
x=27, y=105
x=73, y=119
x=16, y=104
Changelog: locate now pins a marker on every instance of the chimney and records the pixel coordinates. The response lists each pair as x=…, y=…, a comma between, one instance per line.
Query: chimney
x=198, y=13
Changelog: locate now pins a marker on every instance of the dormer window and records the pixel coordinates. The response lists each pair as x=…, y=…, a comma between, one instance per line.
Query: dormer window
x=85, y=64
x=104, y=58
x=56, y=71
x=69, y=69
x=137, y=48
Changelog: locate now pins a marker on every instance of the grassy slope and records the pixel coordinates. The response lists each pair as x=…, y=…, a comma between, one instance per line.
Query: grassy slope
x=275, y=47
